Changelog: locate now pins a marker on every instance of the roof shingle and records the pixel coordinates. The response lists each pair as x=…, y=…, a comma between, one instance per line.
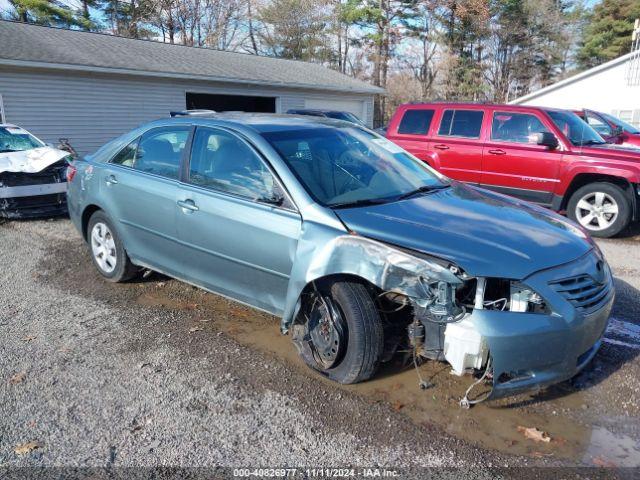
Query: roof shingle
x=21, y=42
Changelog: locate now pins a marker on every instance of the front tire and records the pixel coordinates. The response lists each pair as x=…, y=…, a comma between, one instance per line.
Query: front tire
x=602, y=208
x=339, y=333
x=107, y=252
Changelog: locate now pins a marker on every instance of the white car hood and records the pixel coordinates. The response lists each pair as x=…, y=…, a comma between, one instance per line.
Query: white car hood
x=30, y=161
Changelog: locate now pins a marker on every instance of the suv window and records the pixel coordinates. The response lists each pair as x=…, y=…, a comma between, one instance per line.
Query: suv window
x=415, y=122
x=598, y=124
x=461, y=123
x=160, y=150
x=515, y=127
x=221, y=161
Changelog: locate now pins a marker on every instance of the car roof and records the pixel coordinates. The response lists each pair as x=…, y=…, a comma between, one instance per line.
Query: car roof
x=2, y=125
x=478, y=106
x=260, y=122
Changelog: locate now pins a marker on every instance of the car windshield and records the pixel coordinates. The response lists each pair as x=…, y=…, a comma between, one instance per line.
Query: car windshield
x=575, y=129
x=15, y=139
x=349, y=117
x=621, y=123
x=349, y=166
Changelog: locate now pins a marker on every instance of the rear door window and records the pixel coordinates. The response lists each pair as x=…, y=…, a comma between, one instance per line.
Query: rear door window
x=515, y=127
x=160, y=151
x=461, y=123
x=415, y=122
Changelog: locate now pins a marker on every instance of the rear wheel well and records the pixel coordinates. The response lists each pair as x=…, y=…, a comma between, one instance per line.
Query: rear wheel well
x=583, y=179
x=86, y=215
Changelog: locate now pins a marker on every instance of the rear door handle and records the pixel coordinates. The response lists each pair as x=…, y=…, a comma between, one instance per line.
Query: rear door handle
x=188, y=205
x=111, y=180
x=441, y=146
x=497, y=151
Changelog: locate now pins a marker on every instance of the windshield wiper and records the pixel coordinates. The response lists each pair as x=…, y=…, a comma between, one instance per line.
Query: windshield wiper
x=420, y=190
x=9, y=150
x=362, y=202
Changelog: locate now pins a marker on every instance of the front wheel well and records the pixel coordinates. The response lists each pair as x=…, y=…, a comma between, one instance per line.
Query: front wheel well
x=86, y=215
x=583, y=179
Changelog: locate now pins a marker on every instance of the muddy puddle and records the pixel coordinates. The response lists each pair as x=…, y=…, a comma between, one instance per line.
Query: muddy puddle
x=491, y=425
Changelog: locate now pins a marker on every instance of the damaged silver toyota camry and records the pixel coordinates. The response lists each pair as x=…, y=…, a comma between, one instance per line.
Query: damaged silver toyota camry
x=359, y=247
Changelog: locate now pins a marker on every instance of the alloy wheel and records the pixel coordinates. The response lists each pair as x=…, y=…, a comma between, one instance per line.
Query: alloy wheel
x=103, y=247
x=597, y=211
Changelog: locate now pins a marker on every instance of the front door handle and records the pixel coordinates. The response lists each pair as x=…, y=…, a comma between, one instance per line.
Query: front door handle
x=188, y=205
x=111, y=180
x=497, y=151
x=441, y=146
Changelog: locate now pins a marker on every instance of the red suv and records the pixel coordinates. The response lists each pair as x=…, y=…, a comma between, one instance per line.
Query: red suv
x=543, y=155
x=612, y=129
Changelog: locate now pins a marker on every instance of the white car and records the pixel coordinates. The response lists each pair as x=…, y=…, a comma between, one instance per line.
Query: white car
x=32, y=175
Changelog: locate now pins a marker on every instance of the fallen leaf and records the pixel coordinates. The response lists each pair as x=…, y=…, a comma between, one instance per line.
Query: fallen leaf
x=537, y=454
x=18, y=378
x=32, y=424
x=27, y=447
x=532, y=433
x=191, y=306
x=603, y=462
x=29, y=338
x=195, y=329
x=397, y=405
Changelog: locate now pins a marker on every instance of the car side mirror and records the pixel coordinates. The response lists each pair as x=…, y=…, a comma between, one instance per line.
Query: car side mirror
x=616, y=131
x=547, y=139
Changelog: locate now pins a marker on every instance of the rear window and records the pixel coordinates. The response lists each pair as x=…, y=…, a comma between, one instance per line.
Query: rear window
x=415, y=122
x=461, y=123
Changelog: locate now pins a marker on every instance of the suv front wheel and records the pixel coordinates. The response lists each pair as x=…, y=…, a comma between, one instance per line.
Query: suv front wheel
x=602, y=208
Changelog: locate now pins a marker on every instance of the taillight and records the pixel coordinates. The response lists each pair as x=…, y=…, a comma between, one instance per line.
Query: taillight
x=71, y=172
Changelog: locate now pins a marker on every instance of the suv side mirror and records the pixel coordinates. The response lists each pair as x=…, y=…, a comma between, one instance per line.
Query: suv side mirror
x=547, y=139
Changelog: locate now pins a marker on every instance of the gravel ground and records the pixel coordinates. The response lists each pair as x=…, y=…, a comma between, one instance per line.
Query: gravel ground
x=95, y=378
x=105, y=384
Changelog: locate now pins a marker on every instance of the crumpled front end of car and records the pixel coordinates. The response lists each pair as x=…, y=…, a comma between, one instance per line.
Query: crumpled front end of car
x=34, y=194
x=513, y=335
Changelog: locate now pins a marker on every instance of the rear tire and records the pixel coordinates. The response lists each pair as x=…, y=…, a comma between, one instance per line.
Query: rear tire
x=107, y=252
x=603, y=209
x=351, y=346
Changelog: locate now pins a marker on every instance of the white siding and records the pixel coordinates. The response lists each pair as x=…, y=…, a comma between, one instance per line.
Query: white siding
x=91, y=109
x=604, y=90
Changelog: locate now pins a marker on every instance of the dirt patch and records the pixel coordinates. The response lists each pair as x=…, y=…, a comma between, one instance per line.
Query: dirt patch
x=569, y=413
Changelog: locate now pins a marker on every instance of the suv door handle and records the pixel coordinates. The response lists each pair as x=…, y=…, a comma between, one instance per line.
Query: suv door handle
x=188, y=205
x=497, y=151
x=111, y=180
x=441, y=146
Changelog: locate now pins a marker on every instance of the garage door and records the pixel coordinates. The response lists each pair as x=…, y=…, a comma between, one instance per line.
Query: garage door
x=354, y=106
x=226, y=103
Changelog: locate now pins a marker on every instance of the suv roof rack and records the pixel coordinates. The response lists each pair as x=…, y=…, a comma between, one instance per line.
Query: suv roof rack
x=194, y=112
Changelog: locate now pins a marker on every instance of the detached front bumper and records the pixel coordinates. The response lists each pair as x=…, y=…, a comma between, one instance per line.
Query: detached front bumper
x=532, y=351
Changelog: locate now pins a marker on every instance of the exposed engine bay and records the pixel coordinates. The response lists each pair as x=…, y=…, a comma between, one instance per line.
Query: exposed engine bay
x=442, y=326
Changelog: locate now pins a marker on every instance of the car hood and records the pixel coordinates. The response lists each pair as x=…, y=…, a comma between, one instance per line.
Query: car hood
x=611, y=151
x=485, y=233
x=30, y=161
